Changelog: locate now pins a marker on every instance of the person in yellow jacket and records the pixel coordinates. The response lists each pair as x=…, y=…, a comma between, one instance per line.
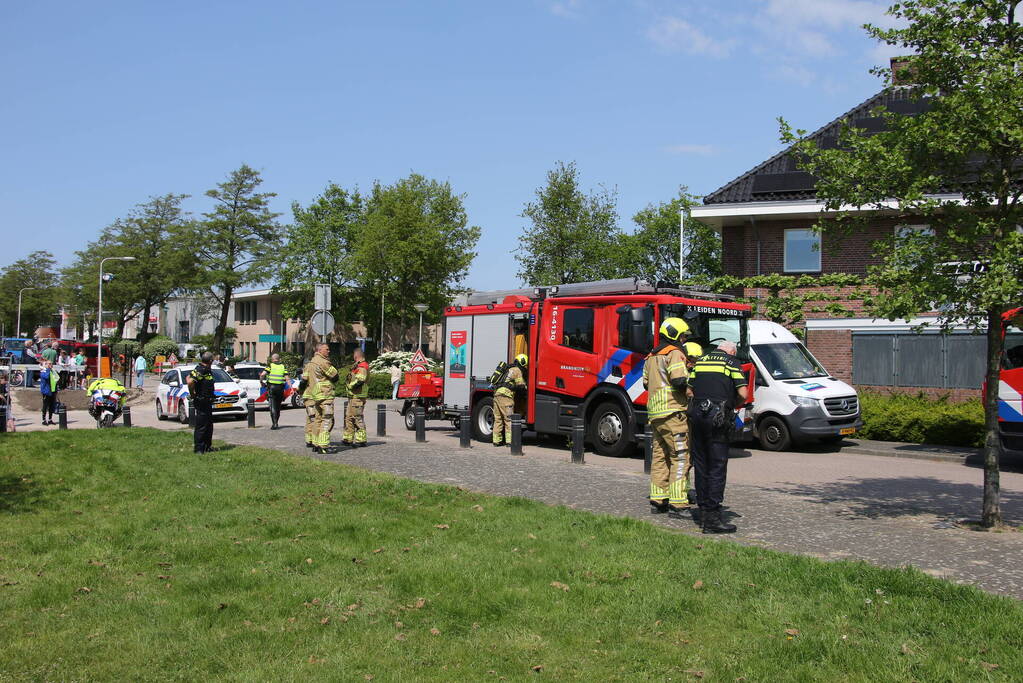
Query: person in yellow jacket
x=514, y=382
x=358, y=390
x=319, y=376
x=665, y=376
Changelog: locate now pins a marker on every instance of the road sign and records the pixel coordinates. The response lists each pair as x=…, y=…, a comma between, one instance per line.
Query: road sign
x=321, y=297
x=272, y=338
x=419, y=362
x=323, y=322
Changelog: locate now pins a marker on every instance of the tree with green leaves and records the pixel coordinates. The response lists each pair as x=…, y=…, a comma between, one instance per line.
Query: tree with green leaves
x=39, y=302
x=320, y=247
x=235, y=242
x=155, y=233
x=415, y=247
x=573, y=236
x=966, y=63
x=653, y=251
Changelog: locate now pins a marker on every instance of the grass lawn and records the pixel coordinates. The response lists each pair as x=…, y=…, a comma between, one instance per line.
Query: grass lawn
x=123, y=556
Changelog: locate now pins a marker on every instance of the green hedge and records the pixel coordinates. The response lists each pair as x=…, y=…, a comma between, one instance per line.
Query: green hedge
x=158, y=346
x=915, y=418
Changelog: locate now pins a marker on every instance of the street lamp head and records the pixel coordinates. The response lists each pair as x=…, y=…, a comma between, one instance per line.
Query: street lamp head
x=421, y=307
x=125, y=258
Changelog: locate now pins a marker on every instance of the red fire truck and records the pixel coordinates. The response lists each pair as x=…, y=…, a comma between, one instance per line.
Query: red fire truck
x=586, y=343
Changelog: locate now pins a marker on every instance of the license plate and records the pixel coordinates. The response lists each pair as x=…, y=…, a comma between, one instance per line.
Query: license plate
x=222, y=405
x=847, y=431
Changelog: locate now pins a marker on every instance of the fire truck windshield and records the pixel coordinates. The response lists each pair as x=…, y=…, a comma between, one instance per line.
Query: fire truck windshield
x=710, y=325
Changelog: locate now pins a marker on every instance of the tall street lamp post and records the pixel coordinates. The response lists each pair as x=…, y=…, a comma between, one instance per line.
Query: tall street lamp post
x=23, y=289
x=99, y=312
x=422, y=309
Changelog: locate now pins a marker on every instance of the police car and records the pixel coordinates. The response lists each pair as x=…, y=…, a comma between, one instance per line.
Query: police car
x=247, y=375
x=172, y=397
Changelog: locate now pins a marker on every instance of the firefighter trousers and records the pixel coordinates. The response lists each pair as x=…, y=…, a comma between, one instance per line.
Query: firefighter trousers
x=503, y=407
x=319, y=414
x=355, y=422
x=667, y=465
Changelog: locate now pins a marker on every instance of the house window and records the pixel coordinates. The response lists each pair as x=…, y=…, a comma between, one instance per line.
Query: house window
x=905, y=230
x=245, y=312
x=802, y=251
x=578, y=329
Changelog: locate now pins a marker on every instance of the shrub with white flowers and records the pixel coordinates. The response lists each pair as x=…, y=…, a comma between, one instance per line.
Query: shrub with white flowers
x=404, y=359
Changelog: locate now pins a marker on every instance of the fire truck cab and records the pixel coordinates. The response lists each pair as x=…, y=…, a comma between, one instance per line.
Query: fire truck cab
x=587, y=343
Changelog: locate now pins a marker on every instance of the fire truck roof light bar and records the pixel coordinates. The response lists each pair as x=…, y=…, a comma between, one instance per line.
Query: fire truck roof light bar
x=628, y=285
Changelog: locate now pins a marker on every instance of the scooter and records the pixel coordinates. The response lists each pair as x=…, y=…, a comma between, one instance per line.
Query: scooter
x=105, y=407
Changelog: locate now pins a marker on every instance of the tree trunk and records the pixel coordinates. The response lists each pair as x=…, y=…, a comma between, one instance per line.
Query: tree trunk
x=144, y=326
x=225, y=308
x=121, y=322
x=992, y=514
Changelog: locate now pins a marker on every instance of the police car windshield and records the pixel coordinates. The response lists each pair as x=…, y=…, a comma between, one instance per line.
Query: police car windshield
x=247, y=373
x=221, y=376
x=788, y=361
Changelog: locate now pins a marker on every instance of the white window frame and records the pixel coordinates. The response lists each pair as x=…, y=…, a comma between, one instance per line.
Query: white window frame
x=785, y=251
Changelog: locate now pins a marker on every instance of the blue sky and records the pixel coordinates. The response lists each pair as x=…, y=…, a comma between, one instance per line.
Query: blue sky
x=105, y=104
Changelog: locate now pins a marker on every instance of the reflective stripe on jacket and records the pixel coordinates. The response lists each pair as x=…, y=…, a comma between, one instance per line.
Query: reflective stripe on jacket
x=275, y=373
x=321, y=375
x=661, y=367
x=358, y=380
x=512, y=381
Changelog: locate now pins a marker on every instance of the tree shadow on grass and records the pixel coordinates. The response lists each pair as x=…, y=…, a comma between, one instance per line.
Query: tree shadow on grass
x=875, y=498
x=20, y=493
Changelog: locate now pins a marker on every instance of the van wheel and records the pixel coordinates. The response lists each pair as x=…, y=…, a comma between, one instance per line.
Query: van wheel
x=483, y=419
x=610, y=430
x=774, y=434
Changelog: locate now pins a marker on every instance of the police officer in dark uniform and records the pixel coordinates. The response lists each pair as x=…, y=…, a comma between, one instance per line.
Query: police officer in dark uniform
x=718, y=384
x=200, y=388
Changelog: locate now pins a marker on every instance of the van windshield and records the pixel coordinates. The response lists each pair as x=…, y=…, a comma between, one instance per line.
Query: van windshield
x=788, y=361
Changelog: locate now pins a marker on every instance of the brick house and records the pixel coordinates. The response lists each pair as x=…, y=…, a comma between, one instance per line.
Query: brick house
x=765, y=217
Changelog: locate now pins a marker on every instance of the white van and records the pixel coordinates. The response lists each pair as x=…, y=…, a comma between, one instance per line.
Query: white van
x=795, y=399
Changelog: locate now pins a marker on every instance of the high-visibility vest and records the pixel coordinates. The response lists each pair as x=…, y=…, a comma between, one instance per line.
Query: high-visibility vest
x=275, y=373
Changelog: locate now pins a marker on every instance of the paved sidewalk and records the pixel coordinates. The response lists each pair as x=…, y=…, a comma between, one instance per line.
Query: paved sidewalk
x=850, y=505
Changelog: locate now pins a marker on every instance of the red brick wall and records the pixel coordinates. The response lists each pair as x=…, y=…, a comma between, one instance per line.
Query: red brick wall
x=840, y=253
x=833, y=348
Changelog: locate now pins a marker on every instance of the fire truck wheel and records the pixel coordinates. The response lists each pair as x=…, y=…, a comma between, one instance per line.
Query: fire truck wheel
x=483, y=419
x=774, y=434
x=610, y=430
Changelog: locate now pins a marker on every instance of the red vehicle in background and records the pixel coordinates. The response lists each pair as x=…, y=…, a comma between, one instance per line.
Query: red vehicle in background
x=1010, y=387
x=587, y=343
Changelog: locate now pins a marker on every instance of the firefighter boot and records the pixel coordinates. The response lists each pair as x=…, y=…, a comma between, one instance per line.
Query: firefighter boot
x=713, y=524
x=658, y=507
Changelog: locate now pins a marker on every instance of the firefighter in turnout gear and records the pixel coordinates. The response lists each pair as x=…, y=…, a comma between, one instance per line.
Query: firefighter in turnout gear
x=276, y=378
x=358, y=389
x=513, y=382
x=665, y=376
x=320, y=377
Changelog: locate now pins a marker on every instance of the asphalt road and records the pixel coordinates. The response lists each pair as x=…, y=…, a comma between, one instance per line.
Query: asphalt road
x=849, y=504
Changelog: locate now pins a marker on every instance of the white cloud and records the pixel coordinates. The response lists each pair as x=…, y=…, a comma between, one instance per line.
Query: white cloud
x=566, y=8
x=695, y=150
x=672, y=34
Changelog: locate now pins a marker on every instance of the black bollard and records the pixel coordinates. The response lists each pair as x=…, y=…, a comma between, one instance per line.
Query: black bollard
x=191, y=415
x=648, y=448
x=126, y=416
x=516, y=437
x=420, y=424
x=465, y=429
x=3, y=419
x=62, y=416
x=578, y=441
x=381, y=419
x=250, y=412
